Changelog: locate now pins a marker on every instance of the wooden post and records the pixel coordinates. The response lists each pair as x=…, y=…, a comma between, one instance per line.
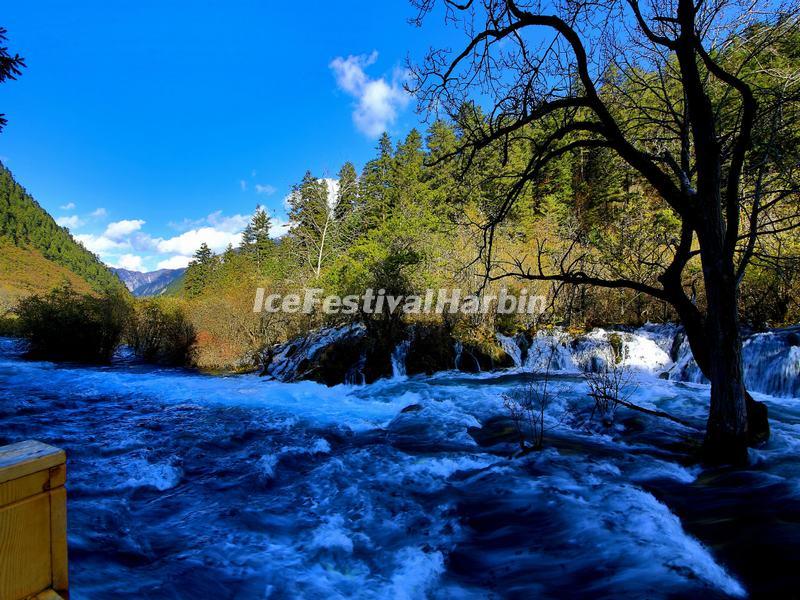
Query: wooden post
x=33, y=522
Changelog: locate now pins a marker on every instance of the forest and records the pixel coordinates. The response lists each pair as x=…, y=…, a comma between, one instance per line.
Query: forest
x=633, y=166
x=415, y=218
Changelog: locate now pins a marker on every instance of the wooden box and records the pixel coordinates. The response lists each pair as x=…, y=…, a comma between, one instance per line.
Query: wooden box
x=33, y=522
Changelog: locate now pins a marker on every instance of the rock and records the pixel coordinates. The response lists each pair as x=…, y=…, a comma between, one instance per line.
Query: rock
x=431, y=350
x=675, y=349
x=475, y=359
x=495, y=430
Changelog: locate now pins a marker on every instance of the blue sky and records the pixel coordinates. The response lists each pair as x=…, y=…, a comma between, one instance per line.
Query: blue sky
x=147, y=127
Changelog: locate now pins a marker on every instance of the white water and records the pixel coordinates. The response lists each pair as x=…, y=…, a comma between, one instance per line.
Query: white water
x=771, y=359
x=183, y=485
x=291, y=359
x=399, y=359
x=511, y=347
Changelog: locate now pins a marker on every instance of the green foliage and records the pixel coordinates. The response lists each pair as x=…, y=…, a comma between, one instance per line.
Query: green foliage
x=314, y=234
x=347, y=200
x=10, y=66
x=160, y=332
x=65, y=325
x=412, y=220
x=27, y=225
x=199, y=272
x=256, y=242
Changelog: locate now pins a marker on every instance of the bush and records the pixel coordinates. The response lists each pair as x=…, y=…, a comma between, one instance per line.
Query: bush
x=610, y=382
x=161, y=333
x=527, y=404
x=66, y=325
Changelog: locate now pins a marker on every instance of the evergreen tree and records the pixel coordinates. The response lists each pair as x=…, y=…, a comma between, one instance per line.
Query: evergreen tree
x=256, y=242
x=407, y=172
x=199, y=271
x=347, y=200
x=203, y=256
x=377, y=191
x=10, y=67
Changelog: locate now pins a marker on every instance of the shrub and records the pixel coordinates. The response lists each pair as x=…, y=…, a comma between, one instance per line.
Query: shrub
x=66, y=325
x=610, y=384
x=160, y=332
x=528, y=403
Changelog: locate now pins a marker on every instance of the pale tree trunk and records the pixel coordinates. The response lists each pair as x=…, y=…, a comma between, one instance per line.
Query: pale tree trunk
x=322, y=247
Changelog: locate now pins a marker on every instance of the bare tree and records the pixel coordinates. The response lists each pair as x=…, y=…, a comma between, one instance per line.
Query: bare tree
x=610, y=382
x=527, y=404
x=665, y=85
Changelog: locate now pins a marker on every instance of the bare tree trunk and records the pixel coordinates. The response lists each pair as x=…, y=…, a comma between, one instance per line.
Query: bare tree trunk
x=735, y=420
x=318, y=268
x=727, y=429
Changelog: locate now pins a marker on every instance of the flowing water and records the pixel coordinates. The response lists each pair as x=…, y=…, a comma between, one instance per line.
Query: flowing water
x=184, y=485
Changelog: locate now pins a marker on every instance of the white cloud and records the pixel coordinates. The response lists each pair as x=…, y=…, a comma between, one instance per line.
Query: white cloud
x=125, y=244
x=230, y=224
x=267, y=189
x=243, y=185
x=68, y=206
x=119, y=229
x=99, y=213
x=279, y=228
x=189, y=241
x=132, y=262
x=100, y=244
x=333, y=191
x=174, y=262
x=72, y=221
x=378, y=101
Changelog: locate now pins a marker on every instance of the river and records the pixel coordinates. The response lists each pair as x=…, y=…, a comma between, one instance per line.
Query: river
x=184, y=485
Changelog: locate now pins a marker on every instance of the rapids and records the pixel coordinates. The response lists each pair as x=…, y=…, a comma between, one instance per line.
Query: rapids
x=184, y=485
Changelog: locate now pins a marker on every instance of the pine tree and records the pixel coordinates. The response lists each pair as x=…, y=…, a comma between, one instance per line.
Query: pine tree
x=377, y=192
x=10, y=67
x=440, y=176
x=203, y=255
x=256, y=242
x=407, y=172
x=347, y=200
x=199, y=271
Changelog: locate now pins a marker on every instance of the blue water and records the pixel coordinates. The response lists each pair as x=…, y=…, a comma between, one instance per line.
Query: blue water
x=184, y=485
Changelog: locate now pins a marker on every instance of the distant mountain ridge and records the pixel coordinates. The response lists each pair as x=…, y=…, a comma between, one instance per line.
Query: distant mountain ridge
x=151, y=283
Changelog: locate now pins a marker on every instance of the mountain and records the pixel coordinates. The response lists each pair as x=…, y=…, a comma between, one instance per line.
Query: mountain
x=153, y=283
x=25, y=271
x=37, y=252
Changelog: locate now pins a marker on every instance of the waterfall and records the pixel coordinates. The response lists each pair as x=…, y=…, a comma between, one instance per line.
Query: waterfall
x=772, y=363
x=771, y=359
x=550, y=349
x=399, y=359
x=355, y=374
x=511, y=348
x=685, y=368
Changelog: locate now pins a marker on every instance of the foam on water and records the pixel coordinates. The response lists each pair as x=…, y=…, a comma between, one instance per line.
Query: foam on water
x=236, y=486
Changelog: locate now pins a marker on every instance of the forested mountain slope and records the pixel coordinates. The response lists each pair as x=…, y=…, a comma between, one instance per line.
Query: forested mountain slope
x=24, y=271
x=27, y=226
